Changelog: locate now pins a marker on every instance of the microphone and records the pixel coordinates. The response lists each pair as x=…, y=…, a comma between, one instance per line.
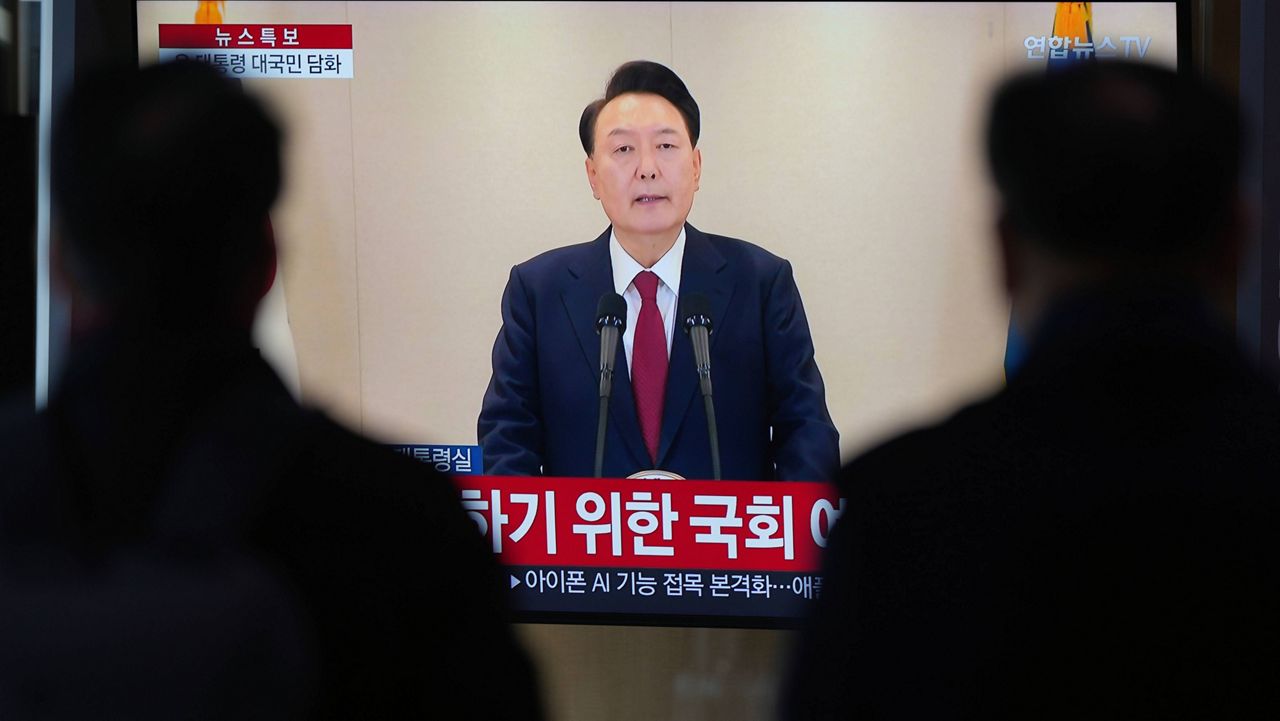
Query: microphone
x=611, y=321
x=695, y=308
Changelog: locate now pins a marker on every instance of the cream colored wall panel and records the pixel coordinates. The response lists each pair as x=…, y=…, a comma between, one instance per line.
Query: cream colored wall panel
x=844, y=137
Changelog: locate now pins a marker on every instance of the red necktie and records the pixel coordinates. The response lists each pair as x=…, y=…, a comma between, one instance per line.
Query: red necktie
x=649, y=362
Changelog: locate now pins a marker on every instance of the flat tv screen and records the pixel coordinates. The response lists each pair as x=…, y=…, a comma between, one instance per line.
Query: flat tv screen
x=431, y=147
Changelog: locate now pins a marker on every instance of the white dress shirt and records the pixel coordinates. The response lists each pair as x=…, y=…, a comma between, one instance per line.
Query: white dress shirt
x=625, y=269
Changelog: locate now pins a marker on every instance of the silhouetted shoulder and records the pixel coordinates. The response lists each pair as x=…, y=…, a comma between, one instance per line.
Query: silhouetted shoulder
x=399, y=477
x=927, y=458
x=25, y=456
x=17, y=421
x=373, y=490
x=381, y=547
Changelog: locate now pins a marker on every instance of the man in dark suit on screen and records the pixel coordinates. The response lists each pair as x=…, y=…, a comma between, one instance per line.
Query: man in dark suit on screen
x=540, y=410
x=1097, y=540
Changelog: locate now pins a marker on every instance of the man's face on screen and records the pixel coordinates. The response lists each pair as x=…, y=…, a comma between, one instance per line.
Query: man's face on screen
x=644, y=169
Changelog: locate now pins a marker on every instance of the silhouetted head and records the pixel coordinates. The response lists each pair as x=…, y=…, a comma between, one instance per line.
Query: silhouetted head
x=163, y=178
x=1114, y=170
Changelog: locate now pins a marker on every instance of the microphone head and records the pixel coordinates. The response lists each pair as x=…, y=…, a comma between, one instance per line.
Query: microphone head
x=695, y=309
x=611, y=311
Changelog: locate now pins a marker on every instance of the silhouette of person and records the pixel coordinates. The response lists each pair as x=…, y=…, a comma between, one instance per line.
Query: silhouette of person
x=1095, y=540
x=170, y=444
x=149, y=633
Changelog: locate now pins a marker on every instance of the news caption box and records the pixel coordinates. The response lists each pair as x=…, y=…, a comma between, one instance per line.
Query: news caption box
x=728, y=549
x=298, y=52
x=458, y=460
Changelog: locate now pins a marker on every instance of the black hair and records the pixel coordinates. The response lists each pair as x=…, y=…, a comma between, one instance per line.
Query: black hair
x=641, y=76
x=1115, y=160
x=163, y=177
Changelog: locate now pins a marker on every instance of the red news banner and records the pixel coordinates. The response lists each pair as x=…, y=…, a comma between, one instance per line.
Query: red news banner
x=684, y=548
x=263, y=51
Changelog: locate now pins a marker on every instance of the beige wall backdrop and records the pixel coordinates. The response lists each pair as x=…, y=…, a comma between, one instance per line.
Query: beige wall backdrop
x=844, y=137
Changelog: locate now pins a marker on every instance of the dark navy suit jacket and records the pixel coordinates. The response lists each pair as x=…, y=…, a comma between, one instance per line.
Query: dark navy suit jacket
x=540, y=410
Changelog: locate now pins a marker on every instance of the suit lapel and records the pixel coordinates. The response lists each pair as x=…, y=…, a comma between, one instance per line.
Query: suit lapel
x=702, y=271
x=592, y=275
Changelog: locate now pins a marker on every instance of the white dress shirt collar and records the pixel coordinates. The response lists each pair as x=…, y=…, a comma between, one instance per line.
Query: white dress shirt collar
x=625, y=268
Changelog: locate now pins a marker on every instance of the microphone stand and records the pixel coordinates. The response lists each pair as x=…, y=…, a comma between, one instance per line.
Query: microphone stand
x=606, y=383
x=698, y=324
x=609, y=327
x=702, y=352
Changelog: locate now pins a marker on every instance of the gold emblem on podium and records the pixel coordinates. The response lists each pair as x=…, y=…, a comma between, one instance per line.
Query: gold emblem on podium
x=654, y=474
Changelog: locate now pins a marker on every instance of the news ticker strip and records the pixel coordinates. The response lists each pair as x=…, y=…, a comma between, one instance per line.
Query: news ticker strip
x=661, y=592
